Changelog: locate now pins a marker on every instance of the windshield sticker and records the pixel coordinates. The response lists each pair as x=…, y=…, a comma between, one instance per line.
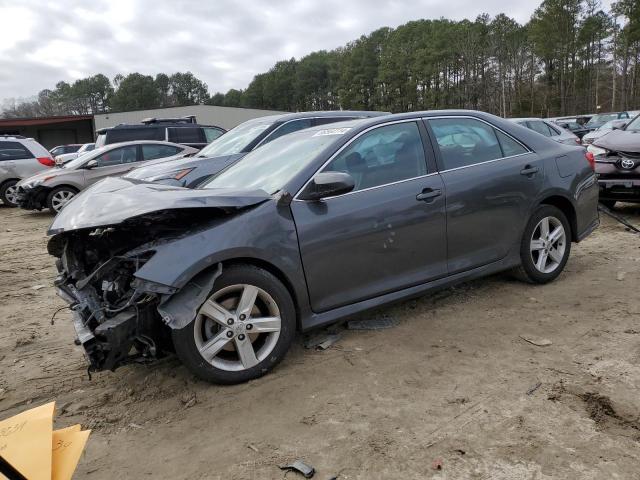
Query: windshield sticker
x=332, y=131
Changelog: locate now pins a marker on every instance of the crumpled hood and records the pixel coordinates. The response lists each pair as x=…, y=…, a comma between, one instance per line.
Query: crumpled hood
x=158, y=167
x=114, y=200
x=620, y=141
x=49, y=172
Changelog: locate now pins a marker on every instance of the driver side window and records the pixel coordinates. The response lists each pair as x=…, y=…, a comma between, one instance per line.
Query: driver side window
x=118, y=156
x=385, y=155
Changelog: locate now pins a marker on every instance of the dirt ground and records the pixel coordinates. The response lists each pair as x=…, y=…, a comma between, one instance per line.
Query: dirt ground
x=453, y=385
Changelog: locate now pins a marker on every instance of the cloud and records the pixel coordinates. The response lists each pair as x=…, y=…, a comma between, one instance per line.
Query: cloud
x=224, y=43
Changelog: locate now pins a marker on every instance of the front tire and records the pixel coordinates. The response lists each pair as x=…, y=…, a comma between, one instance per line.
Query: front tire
x=8, y=193
x=545, y=246
x=243, y=329
x=59, y=197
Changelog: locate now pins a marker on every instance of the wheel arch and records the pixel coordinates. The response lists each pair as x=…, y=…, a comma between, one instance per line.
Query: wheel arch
x=65, y=185
x=275, y=271
x=566, y=207
x=6, y=180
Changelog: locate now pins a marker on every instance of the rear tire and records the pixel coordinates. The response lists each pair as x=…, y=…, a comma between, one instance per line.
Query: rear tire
x=59, y=197
x=226, y=346
x=545, y=246
x=7, y=192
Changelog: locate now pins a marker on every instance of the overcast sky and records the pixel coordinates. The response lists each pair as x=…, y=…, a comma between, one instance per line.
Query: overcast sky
x=223, y=42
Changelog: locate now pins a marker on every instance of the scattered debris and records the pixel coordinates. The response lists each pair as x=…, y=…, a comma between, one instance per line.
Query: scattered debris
x=372, y=324
x=534, y=388
x=538, y=342
x=135, y=425
x=460, y=451
x=437, y=464
x=21, y=342
x=2, y=393
x=630, y=331
x=321, y=340
x=188, y=399
x=299, y=466
x=37, y=287
x=620, y=276
x=623, y=221
x=458, y=401
x=253, y=447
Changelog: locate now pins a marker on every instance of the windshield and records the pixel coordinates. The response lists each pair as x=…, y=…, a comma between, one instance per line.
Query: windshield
x=602, y=118
x=236, y=139
x=271, y=166
x=634, y=125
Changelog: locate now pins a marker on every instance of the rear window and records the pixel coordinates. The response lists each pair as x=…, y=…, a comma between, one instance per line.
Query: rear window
x=151, y=152
x=118, y=135
x=212, y=133
x=14, y=151
x=186, y=135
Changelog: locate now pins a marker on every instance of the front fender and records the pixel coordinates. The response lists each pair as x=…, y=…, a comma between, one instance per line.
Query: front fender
x=266, y=234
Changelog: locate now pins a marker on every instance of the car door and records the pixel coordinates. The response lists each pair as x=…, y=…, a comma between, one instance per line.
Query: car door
x=115, y=162
x=385, y=235
x=491, y=181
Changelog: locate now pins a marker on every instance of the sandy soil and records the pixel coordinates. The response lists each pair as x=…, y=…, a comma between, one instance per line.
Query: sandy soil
x=453, y=384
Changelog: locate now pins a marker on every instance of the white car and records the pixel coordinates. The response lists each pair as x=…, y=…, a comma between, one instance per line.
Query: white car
x=611, y=125
x=66, y=157
x=20, y=157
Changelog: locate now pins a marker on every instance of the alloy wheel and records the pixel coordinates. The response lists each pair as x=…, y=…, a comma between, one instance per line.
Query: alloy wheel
x=237, y=327
x=11, y=194
x=60, y=198
x=548, y=244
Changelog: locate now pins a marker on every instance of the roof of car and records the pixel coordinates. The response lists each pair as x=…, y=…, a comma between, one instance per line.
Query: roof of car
x=285, y=117
x=125, y=126
x=527, y=119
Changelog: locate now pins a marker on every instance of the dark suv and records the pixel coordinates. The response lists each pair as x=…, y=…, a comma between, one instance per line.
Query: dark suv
x=184, y=130
x=617, y=156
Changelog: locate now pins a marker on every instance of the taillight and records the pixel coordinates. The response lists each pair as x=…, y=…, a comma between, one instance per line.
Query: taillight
x=591, y=159
x=46, y=161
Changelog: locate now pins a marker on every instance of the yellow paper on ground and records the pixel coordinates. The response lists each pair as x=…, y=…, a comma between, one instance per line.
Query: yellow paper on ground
x=68, y=445
x=25, y=442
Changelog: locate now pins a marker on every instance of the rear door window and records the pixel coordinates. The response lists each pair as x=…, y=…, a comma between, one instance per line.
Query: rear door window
x=540, y=127
x=465, y=141
x=211, y=134
x=151, y=152
x=186, y=135
x=118, y=135
x=118, y=156
x=14, y=151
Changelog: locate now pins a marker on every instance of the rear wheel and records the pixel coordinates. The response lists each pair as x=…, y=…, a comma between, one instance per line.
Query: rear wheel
x=242, y=330
x=545, y=246
x=8, y=193
x=59, y=197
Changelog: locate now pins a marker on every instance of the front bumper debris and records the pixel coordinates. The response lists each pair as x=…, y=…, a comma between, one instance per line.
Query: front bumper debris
x=32, y=198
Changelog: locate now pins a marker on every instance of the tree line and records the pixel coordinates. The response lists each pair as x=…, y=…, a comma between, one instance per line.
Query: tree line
x=571, y=57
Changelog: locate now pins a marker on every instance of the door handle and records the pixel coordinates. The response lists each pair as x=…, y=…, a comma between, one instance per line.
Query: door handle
x=428, y=194
x=529, y=170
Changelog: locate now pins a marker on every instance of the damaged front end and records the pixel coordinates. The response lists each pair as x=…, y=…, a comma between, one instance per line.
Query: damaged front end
x=119, y=318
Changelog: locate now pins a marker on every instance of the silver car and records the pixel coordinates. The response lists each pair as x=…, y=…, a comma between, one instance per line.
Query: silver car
x=67, y=157
x=611, y=125
x=20, y=157
x=54, y=188
x=548, y=129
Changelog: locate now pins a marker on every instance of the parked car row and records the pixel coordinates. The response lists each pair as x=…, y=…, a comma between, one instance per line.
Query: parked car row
x=294, y=222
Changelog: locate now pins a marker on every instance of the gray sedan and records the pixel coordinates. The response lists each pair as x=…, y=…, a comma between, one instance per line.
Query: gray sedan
x=311, y=228
x=549, y=129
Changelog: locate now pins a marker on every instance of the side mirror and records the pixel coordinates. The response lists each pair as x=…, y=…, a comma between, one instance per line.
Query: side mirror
x=328, y=184
x=91, y=164
x=619, y=125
